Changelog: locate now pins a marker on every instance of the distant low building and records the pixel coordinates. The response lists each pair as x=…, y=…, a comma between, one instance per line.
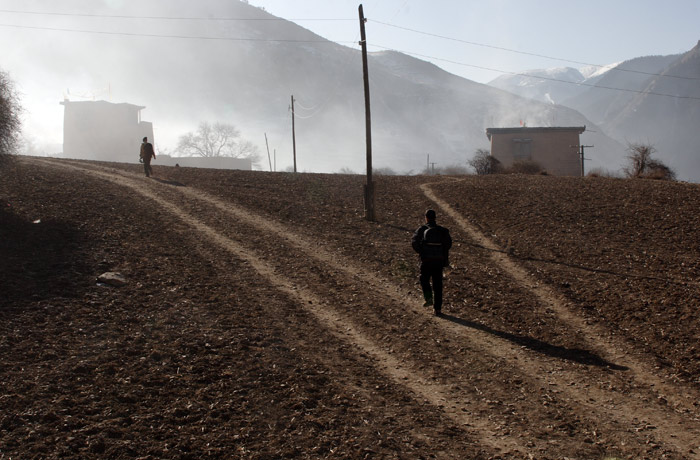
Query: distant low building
x=102, y=130
x=554, y=149
x=205, y=162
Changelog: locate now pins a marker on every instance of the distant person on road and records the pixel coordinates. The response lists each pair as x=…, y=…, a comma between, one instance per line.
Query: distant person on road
x=145, y=156
x=432, y=242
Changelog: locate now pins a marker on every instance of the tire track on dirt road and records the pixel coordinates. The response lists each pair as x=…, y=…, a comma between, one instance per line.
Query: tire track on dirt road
x=403, y=373
x=668, y=425
x=667, y=421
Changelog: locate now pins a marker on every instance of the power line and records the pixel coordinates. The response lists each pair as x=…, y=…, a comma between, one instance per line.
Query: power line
x=305, y=108
x=535, y=76
x=263, y=40
x=500, y=48
x=201, y=18
x=172, y=18
x=134, y=34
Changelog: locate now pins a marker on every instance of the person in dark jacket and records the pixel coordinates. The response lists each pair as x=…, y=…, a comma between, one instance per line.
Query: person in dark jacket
x=432, y=242
x=145, y=156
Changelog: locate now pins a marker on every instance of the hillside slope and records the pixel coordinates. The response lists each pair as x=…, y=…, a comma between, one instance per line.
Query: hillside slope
x=263, y=317
x=668, y=123
x=602, y=105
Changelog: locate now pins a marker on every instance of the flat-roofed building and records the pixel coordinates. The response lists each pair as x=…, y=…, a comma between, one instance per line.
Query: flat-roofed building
x=554, y=149
x=101, y=130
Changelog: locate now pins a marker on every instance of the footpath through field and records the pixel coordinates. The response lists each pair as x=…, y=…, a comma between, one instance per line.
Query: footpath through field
x=507, y=398
x=671, y=422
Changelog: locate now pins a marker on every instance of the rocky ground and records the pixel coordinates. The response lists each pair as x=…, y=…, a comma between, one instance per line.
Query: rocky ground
x=264, y=317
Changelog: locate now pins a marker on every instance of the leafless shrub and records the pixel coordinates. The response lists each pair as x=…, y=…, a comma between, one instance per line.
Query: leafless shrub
x=9, y=115
x=642, y=165
x=601, y=172
x=483, y=163
x=525, y=167
x=659, y=171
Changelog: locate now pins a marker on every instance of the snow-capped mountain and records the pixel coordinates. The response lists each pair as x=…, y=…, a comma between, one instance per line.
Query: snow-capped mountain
x=551, y=85
x=652, y=100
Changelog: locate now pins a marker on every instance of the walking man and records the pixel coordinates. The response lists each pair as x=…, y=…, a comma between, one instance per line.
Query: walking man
x=146, y=154
x=432, y=242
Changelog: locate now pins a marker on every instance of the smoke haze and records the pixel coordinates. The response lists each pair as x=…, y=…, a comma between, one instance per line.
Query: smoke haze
x=235, y=74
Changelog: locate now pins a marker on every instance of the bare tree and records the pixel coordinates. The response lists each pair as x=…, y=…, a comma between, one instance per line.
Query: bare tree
x=9, y=115
x=639, y=158
x=642, y=165
x=346, y=170
x=483, y=163
x=217, y=140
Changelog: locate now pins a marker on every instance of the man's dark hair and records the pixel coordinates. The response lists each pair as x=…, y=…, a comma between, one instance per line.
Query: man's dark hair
x=430, y=215
x=145, y=139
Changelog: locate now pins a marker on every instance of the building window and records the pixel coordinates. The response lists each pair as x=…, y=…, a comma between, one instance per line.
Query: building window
x=522, y=149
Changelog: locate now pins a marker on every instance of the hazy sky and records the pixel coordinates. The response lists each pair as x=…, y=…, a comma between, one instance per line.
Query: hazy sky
x=594, y=31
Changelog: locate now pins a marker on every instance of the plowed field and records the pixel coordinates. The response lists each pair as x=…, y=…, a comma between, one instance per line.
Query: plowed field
x=263, y=317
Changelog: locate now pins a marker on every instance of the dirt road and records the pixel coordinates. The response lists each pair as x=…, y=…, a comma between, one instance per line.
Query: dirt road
x=255, y=327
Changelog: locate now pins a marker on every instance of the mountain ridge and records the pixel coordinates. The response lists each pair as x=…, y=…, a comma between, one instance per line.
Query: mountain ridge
x=246, y=72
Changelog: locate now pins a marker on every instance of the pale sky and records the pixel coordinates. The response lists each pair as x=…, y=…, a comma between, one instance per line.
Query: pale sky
x=595, y=31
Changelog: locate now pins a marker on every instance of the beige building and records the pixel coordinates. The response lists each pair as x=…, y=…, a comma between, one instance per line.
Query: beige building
x=554, y=149
x=101, y=130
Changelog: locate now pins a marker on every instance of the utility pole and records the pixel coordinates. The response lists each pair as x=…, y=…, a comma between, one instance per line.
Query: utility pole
x=268, y=152
x=294, y=137
x=427, y=166
x=582, y=149
x=369, y=187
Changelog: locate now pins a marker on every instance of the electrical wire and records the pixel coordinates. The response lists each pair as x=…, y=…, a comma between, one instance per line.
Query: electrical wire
x=170, y=18
x=199, y=18
x=533, y=76
x=306, y=108
x=500, y=48
x=331, y=94
x=132, y=34
x=195, y=37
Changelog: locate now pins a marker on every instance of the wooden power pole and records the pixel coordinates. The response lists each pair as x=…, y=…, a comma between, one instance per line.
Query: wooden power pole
x=268, y=152
x=294, y=137
x=582, y=150
x=369, y=187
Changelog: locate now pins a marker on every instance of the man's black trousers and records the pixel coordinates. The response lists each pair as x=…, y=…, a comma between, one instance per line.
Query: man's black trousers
x=432, y=271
